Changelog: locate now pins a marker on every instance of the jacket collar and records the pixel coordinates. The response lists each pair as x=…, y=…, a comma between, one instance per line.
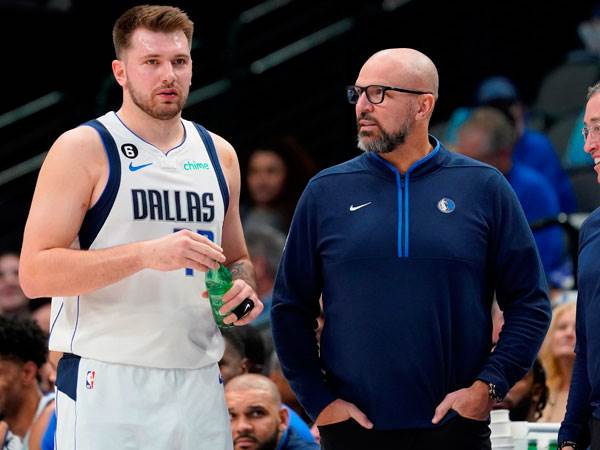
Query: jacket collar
x=429, y=163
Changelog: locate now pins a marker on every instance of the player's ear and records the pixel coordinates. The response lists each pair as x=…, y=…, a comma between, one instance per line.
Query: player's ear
x=118, y=68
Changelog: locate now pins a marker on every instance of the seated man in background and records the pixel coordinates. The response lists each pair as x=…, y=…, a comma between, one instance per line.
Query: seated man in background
x=23, y=351
x=236, y=361
x=488, y=136
x=258, y=419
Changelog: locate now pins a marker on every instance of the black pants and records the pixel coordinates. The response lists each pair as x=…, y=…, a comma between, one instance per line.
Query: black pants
x=595, y=433
x=457, y=433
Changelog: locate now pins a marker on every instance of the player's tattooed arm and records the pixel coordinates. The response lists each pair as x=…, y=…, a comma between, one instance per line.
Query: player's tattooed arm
x=243, y=270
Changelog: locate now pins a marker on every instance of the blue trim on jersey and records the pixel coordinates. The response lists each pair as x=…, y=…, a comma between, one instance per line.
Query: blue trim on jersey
x=66, y=375
x=56, y=318
x=96, y=216
x=76, y=323
x=150, y=143
x=212, y=153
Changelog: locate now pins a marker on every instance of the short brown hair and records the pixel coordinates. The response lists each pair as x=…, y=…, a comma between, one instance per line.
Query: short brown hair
x=156, y=18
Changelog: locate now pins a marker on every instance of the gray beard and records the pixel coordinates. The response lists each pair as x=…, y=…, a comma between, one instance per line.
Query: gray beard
x=386, y=143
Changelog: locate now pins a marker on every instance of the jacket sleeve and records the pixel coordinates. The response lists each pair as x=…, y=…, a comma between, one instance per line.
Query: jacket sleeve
x=295, y=308
x=574, y=427
x=520, y=286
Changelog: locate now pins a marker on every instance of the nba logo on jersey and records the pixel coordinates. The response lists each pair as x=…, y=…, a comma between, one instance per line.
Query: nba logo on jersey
x=89, y=379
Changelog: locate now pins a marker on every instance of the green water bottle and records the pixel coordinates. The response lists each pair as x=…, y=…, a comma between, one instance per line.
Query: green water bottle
x=218, y=282
x=532, y=444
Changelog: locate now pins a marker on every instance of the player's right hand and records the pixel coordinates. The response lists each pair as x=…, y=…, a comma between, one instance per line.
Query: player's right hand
x=180, y=250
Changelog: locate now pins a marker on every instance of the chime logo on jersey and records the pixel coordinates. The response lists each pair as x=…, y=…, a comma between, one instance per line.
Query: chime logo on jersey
x=193, y=165
x=89, y=379
x=173, y=206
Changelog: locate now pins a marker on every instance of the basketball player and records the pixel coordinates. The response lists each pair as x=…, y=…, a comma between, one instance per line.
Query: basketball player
x=127, y=216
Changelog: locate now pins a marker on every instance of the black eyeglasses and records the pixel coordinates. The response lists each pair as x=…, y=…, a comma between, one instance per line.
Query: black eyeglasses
x=375, y=93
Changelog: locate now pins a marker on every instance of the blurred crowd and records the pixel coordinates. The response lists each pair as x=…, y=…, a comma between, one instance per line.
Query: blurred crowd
x=496, y=127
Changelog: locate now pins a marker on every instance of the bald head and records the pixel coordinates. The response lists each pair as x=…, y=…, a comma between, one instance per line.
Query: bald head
x=404, y=67
x=254, y=382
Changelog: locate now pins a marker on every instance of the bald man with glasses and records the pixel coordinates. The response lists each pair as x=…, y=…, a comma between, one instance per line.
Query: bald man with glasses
x=408, y=244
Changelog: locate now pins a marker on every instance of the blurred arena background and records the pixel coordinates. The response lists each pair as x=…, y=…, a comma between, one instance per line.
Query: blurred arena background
x=261, y=68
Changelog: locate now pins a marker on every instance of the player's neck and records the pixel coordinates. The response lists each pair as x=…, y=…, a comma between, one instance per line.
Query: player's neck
x=163, y=134
x=21, y=421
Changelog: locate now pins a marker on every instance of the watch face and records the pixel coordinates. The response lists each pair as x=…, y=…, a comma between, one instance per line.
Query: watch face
x=493, y=393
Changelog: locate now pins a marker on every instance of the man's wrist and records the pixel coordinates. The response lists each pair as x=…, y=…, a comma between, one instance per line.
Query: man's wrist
x=491, y=389
x=493, y=393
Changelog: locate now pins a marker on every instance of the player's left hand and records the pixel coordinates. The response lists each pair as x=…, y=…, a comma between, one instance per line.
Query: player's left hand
x=236, y=295
x=472, y=403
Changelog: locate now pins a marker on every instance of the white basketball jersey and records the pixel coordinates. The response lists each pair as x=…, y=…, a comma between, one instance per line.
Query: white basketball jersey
x=152, y=318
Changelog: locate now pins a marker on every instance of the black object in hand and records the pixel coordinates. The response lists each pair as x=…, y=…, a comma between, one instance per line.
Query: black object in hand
x=243, y=308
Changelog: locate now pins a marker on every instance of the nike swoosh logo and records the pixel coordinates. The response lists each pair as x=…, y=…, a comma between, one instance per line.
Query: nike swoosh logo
x=354, y=208
x=135, y=168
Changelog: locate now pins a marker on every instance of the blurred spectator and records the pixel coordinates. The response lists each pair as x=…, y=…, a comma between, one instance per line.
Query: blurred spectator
x=256, y=349
x=532, y=148
x=265, y=245
x=287, y=394
x=233, y=362
x=23, y=351
x=43, y=429
x=497, y=322
x=589, y=34
x=574, y=154
x=488, y=136
x=245, y=352
x=12, y=299
x=527, y=398
x=558, y=356
x=275, y=177
x=41, y=313
x=258, y=419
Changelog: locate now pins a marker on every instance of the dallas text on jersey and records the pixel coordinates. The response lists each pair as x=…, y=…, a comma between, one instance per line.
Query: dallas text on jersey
x=172, y=206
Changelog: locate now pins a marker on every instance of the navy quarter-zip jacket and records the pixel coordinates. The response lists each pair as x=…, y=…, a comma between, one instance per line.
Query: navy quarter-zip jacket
x=584, y=392
x=407, y=265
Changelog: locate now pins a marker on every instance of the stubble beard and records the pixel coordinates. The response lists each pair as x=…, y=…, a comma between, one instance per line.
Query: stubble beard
x=269, y=444
x=158, y=111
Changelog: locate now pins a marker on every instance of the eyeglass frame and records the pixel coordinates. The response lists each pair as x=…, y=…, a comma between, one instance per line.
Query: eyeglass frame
x=587, y=131
x=352, y=88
